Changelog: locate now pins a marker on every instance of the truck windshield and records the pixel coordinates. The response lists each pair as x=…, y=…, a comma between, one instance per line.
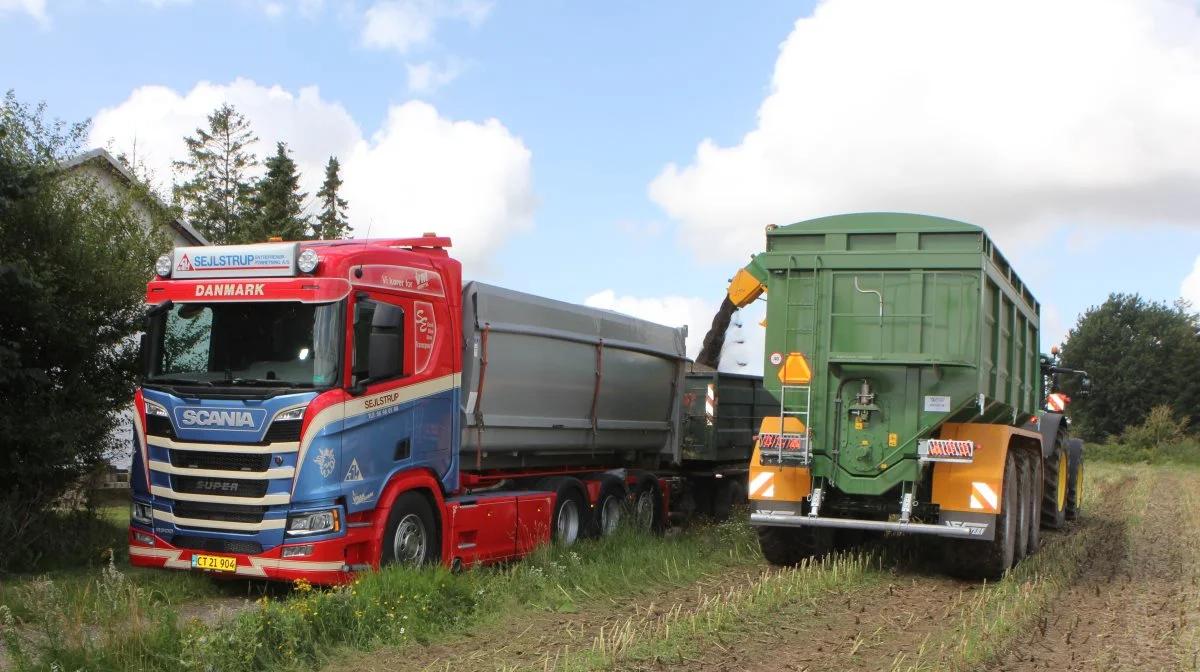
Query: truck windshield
x=275, y=344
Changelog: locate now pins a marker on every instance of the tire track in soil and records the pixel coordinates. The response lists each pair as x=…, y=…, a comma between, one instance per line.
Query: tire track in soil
x=528, y=638
x=867, y=629
x=1130, y=605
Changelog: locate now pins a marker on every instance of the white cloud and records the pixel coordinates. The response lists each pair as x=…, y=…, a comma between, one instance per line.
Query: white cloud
x=34, y=8
x=1053, y=330
x=419, y=172
x=1010, y=114
x=428, y=76
x=1190, y=289
x=743, y=350
x=404, y=24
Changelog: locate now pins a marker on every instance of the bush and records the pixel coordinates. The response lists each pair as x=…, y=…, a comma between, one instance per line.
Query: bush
x=74, y=261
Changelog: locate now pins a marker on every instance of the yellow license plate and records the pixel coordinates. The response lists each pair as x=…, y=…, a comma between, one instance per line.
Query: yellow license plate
x=214, y=562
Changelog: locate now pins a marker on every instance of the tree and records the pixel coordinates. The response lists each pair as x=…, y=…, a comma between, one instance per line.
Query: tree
x=332, y=223
x=218, y=194
x=1140, y=355
x=278, y=201
x=74, y=260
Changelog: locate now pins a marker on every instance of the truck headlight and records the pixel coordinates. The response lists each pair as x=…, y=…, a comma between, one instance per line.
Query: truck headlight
x=314, y=522
x=154, y=409
x=163, y=266
x=307, y=261
x=142, y=513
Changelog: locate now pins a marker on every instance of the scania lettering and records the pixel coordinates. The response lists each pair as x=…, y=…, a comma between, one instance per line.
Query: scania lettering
x=360, y=406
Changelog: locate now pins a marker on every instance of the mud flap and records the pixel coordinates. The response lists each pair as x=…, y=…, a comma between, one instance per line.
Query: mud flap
x=981, y=525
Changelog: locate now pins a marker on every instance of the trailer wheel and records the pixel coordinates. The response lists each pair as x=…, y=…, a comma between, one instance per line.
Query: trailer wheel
x=991, y=559
x=647, y=505
x=1054, y=487
x=1026, y=503
x=1074, y=478
x=731, y=492
x=609, y=504
x=410, y=537
x=1035, y=496
x=786, y=546
x=568, y=522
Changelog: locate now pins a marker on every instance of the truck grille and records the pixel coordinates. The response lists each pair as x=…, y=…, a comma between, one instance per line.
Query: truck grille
x=230, y=513
x=197, y=459
x=229, y=487
x=217, y=545
x=284, y=431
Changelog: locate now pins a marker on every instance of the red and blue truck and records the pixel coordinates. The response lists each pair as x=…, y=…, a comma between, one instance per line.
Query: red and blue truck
x=313, y=409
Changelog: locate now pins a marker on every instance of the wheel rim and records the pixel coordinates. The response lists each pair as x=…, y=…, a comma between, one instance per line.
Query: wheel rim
x=645, y=509
x=408, y=544
x=568, y=521
x=1062, y=480
x=610, y=515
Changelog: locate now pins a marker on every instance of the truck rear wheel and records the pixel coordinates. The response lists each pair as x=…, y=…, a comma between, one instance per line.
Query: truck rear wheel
x=991, y=559
x=609, y=503
x=785, y=546
x=1074, y=478
x=570, y=504
x=410, y=537
x=1054, y=487
x=1035, y=510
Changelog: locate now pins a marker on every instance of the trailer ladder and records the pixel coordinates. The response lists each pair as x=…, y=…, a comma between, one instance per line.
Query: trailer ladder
x=796, y=334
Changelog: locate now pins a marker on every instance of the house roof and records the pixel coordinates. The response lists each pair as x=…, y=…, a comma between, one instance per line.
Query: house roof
x=104, y=158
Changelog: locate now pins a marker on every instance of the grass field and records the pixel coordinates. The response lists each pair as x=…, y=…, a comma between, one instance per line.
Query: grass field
x=1119, y=589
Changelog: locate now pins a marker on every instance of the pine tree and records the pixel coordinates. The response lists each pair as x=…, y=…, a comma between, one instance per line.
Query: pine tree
x=278, y=201
x=217, y=195
x=332, y=223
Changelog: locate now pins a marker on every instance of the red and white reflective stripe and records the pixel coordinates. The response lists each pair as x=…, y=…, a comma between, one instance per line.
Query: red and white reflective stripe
x=763, y=485
x=983, y=496
x=709, y=403
x=1057, y=402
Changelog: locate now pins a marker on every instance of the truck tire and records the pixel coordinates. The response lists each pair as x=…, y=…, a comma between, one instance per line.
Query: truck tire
x=1026, y=494
x=1054, y=487
x=731, y=492
x=991, y=559
x=411, y=535
x=570, y=517
x=606, y=517
x=646, y=505
x=1074, y=478
x=787, y=546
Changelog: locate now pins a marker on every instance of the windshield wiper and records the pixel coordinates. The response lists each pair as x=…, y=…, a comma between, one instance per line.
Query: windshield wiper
x=178, y=381
x=258, y=382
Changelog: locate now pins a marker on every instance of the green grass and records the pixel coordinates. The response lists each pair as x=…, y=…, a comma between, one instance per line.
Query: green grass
x=1186, y=452
x=394, y=608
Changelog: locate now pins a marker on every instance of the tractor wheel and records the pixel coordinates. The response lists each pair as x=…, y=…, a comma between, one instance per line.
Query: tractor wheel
x=786, y=546
x=1074, y=478
x=1054, y=487
x=991, y=559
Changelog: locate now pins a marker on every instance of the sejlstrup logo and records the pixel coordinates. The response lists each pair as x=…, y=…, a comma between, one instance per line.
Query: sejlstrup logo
x=220, y=418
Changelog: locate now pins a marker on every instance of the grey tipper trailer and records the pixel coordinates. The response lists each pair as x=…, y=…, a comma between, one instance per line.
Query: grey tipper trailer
x=553, y=386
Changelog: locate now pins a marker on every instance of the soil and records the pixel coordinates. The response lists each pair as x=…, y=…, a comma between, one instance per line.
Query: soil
x=537, y=639
x=1135, y=599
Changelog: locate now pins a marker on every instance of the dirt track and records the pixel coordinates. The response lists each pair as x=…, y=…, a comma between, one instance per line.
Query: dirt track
x=1136, y=600
x=1134, y=605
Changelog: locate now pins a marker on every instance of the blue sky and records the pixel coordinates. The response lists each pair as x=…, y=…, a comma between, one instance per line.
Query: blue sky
x=604, y=96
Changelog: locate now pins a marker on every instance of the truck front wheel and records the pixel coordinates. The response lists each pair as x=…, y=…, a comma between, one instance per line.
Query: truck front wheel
x=410, y=537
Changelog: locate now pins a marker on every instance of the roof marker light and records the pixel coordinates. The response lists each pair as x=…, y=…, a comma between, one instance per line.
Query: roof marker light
x=163, y=266
x=307, y=261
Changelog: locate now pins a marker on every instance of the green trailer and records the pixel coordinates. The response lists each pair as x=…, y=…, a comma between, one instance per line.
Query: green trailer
x=722, y=413
x=910, y=395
